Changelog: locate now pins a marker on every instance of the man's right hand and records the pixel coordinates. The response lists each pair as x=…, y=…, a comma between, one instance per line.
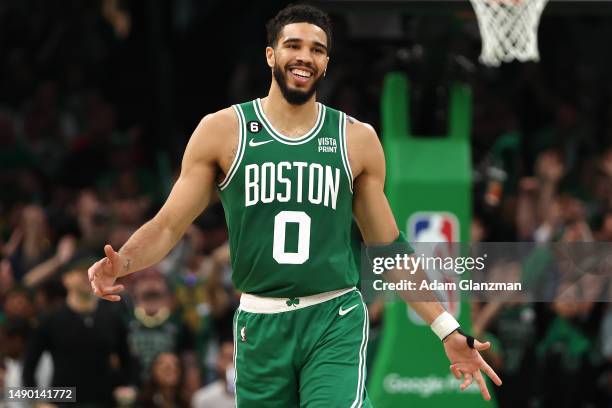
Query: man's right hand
x=103, y=274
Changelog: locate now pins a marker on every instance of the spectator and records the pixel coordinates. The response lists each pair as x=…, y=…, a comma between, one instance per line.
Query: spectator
x=31, y=241
x=49, y=295
x=204, y=295
x=2, y=382
x=606, y=351
x=45, y=270
x=219, y=394
x=7, y=282
x=18, y=305
x=152, y=328
x=164, y=387
x=87, y=341
x=94, y=221
x=14, y=336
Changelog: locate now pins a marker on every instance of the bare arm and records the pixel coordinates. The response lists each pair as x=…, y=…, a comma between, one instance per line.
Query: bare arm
x=189, y=196
x=370, y=205
x=207, y=151
x=377, y=225
x=550, y=169
x=526, y=217
x=44, y=270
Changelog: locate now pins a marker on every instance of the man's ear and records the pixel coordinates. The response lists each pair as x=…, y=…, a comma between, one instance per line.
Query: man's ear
x=270, y=59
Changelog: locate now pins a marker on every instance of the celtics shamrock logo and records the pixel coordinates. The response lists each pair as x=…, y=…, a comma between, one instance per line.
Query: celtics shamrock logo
x=293, y=302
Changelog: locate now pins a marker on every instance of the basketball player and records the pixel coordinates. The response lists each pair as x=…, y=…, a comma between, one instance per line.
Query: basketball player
x=291, y=174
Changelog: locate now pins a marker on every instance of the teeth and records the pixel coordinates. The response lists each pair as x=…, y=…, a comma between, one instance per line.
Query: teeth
x=301, y=73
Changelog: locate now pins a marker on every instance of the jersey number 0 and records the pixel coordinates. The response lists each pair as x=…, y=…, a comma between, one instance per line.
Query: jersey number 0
x=280, y=228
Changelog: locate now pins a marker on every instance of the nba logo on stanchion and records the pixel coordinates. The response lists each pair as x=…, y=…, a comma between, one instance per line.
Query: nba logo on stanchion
x=433, y=226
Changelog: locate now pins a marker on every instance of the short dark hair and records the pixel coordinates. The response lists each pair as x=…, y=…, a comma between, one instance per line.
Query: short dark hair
x=299, y=13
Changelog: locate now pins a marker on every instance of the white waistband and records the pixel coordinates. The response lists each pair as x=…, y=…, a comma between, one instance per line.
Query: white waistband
x=259, y=304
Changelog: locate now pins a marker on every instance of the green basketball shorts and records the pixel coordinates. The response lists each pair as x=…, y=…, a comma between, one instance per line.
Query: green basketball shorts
x=305, y=352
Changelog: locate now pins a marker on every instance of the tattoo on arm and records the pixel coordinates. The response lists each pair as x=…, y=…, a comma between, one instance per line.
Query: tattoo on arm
x=126, y=265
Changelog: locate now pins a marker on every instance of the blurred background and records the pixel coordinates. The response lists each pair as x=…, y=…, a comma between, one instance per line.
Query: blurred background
x=98, y=99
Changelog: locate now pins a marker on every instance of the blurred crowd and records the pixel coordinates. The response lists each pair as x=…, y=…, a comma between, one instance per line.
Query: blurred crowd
x=80, y=166
x=542, y=140
x=556, y=353
x=169, y=340
x=168, y=336
x=75, y=174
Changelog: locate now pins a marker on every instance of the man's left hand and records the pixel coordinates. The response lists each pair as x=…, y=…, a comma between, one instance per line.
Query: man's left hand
x=468, y=362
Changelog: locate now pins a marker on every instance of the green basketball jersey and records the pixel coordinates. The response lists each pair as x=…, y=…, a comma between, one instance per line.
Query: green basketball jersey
x=288, y=207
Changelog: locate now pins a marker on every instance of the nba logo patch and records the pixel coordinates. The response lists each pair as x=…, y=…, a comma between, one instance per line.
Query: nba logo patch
x=433, y=226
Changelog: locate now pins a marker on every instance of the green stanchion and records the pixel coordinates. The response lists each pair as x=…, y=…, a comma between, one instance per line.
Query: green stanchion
x=428, y=187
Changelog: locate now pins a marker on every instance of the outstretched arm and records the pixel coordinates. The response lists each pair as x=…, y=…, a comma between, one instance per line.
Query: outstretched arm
x=377, y=224
x=370, y=206
x=189, y=196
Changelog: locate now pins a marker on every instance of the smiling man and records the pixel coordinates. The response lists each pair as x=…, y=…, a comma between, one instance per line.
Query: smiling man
x=291, y=173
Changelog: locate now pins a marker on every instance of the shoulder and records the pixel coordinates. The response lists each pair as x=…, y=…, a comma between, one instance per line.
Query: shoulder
x=218, y=124
x=215, y=133
x=204, y=394
x=359, y=133
x=364, y=148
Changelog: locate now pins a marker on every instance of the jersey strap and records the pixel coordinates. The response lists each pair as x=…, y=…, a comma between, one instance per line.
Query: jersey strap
x=344, y=149
x=239, y=151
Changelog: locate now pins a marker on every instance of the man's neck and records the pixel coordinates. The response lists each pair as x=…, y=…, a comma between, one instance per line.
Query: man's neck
x=81, y=304
x=291, y=120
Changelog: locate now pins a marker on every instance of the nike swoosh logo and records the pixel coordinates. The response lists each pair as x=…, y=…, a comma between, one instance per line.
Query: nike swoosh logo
x=345, y=311
x=253, y=143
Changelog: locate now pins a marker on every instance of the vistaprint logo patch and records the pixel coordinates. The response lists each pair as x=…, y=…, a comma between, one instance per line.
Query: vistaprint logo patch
x=327, y=145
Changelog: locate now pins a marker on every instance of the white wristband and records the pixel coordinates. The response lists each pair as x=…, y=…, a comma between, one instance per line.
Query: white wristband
x=444, y=325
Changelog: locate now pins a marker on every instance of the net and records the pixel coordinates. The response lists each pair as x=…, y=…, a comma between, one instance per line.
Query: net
x=509, y=29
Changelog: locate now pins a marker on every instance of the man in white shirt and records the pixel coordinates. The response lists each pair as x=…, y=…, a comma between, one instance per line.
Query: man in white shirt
x=219, y=394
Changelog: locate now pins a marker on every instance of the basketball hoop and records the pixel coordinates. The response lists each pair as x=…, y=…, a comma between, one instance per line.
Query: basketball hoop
x=509, y=29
